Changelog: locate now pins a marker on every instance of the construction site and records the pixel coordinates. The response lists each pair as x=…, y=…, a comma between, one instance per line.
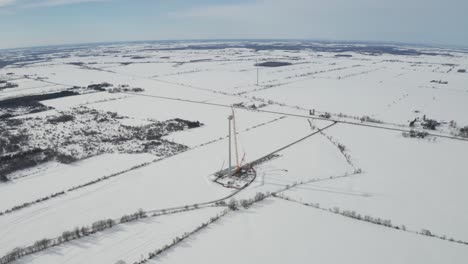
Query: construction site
x=179, y=152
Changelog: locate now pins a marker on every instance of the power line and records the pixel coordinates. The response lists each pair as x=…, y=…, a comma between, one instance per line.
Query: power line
x=295, y=115
x=273, y=112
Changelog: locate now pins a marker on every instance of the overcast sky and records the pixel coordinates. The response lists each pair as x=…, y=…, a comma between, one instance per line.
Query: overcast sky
x=26, y=23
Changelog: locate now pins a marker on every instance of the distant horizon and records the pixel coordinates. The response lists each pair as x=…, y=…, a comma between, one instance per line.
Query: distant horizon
x=397, y=43
x=33, y=23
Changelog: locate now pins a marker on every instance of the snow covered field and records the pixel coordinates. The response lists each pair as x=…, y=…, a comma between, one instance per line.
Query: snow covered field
x=281, y=232
x=127, y=243
x=378, y=130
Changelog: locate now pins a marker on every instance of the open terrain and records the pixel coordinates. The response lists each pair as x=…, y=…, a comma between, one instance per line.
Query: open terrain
x=118, y=153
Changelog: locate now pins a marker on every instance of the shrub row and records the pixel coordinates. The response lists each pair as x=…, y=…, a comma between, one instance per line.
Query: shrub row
x=86, y=184
x=373, y=220
x=66, y=236
x=341, y=148
x=181, y=238
x=101, y=225
x=246, y=203
x=18, y=207
x=464, y=132
x=233, y=205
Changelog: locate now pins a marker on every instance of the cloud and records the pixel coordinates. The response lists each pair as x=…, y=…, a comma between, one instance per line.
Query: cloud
x=6, y=2
x=42, y=3
x=399, y=20
x=61, y=2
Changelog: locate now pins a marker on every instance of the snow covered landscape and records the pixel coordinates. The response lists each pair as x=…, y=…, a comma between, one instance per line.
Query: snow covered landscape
x=234, y=152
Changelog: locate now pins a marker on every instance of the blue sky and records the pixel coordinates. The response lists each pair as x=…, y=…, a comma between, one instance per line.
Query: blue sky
x=26, y=23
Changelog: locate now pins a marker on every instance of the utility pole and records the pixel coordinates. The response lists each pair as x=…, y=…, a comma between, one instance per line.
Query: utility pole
x=230, y=120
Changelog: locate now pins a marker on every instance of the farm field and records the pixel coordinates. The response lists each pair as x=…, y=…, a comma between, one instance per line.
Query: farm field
x=119, y=153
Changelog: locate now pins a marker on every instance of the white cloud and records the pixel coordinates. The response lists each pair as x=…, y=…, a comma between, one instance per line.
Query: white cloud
x=6, y=2
x=39, y=3
x=400, y=20
x=61, y=2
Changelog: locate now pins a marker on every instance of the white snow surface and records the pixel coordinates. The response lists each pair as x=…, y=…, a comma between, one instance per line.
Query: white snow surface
x=277, y=231
x=418, y=183
x=127, y=242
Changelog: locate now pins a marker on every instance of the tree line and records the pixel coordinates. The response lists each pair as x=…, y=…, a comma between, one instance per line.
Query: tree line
x=371, y=219
x=66, y=236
